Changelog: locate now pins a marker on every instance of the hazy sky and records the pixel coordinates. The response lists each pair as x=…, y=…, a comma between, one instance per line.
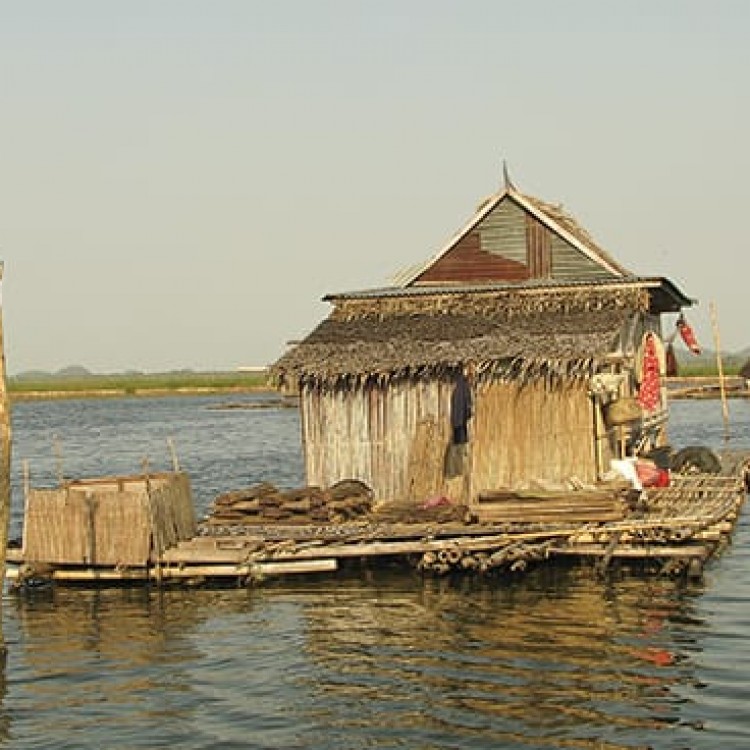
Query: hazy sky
x=181, y=181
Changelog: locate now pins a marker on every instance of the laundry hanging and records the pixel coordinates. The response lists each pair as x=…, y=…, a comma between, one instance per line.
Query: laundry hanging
x=688, y=335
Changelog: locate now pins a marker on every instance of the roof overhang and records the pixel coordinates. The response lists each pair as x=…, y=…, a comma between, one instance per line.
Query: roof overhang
x=665, y=296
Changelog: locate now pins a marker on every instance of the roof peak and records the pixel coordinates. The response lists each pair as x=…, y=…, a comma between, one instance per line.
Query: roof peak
x=507, y=182
x=553, y=216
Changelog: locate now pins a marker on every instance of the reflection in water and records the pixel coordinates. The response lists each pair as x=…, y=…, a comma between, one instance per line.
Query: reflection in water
x=95, y=661
x=557, y=660
x=4, y=716
x=553, y=662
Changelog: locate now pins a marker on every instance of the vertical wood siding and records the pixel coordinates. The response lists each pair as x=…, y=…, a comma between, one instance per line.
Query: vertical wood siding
x=393, y=438
x=371, y=434
x=537, y=241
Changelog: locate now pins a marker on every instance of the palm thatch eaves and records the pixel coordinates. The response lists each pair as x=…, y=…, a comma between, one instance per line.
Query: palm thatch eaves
x=569, y=334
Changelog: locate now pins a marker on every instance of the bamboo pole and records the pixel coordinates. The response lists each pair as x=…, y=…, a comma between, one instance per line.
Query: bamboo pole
x=173, y=452
x=26, y=481
x=57, y=449
x=263, y=569
x=5, y=496
x=720, y=367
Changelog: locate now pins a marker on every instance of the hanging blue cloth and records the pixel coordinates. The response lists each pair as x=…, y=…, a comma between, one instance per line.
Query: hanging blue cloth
x=461, y=406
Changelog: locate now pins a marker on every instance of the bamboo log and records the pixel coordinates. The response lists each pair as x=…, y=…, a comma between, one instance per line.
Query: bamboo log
x=186, y=572
x=632, y=551
x=539, y=517
x=570, y=496
x=720, y=367
x=5, y=465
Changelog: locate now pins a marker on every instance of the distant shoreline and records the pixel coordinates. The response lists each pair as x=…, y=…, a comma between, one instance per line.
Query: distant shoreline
x=105, y=393
x=689, y=387
x=137, y=385
x=87, y=393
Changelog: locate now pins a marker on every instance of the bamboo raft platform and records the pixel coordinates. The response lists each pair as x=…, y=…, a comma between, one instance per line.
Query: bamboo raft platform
x=262, y=532
x=708, y=387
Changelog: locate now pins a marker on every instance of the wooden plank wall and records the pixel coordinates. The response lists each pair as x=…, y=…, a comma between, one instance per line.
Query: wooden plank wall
x=537, y=240
x=372, y=434
x=395, y=441
x=531, y=432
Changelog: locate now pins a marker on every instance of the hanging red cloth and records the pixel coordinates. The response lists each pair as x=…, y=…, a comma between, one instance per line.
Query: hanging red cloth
x=688, y=335
x=649, y=394
x=671, y=358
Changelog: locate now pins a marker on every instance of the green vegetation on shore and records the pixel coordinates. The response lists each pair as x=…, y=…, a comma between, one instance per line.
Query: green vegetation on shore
x=41, y=385
x=79, y=382
x=708, y=370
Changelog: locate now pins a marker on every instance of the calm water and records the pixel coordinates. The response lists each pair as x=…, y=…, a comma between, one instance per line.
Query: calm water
x=557, y=659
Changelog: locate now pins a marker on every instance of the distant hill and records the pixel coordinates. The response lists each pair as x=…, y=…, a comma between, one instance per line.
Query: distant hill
x=76, y=372
x=73, y=372
x=708, y=356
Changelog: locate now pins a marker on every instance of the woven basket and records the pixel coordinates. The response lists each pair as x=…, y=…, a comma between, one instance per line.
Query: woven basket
x=622, y=411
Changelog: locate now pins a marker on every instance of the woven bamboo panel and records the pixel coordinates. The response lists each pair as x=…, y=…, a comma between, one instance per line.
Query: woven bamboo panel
x=108, y=521
x=532, y=433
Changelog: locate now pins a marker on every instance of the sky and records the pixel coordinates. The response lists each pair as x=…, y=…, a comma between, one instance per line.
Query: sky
x=182, y=181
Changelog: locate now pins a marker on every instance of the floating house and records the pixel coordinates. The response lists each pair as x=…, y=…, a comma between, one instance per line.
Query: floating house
x=520, y=355
x=466, y=418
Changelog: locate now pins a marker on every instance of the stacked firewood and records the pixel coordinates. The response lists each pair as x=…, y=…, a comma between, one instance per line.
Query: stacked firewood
x=513, y=556
x=266, y=504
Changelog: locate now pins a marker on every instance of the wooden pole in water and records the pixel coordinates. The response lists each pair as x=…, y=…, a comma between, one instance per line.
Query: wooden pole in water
x=720, y=367
x=4, y=468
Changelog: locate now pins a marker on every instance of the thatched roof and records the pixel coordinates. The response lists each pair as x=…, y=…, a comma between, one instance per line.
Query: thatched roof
x=565, y=334
x=539, y=327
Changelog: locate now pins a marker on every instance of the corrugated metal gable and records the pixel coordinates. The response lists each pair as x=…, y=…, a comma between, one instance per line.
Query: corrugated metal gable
x=503, y=232
x=525, y=233
x=569, y=262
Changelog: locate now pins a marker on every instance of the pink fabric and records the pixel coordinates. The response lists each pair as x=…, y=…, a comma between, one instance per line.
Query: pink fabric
x=650, y=475
x=435, y=501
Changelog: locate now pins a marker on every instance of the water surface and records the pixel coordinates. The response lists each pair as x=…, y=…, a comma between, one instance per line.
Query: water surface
x=555, y=659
